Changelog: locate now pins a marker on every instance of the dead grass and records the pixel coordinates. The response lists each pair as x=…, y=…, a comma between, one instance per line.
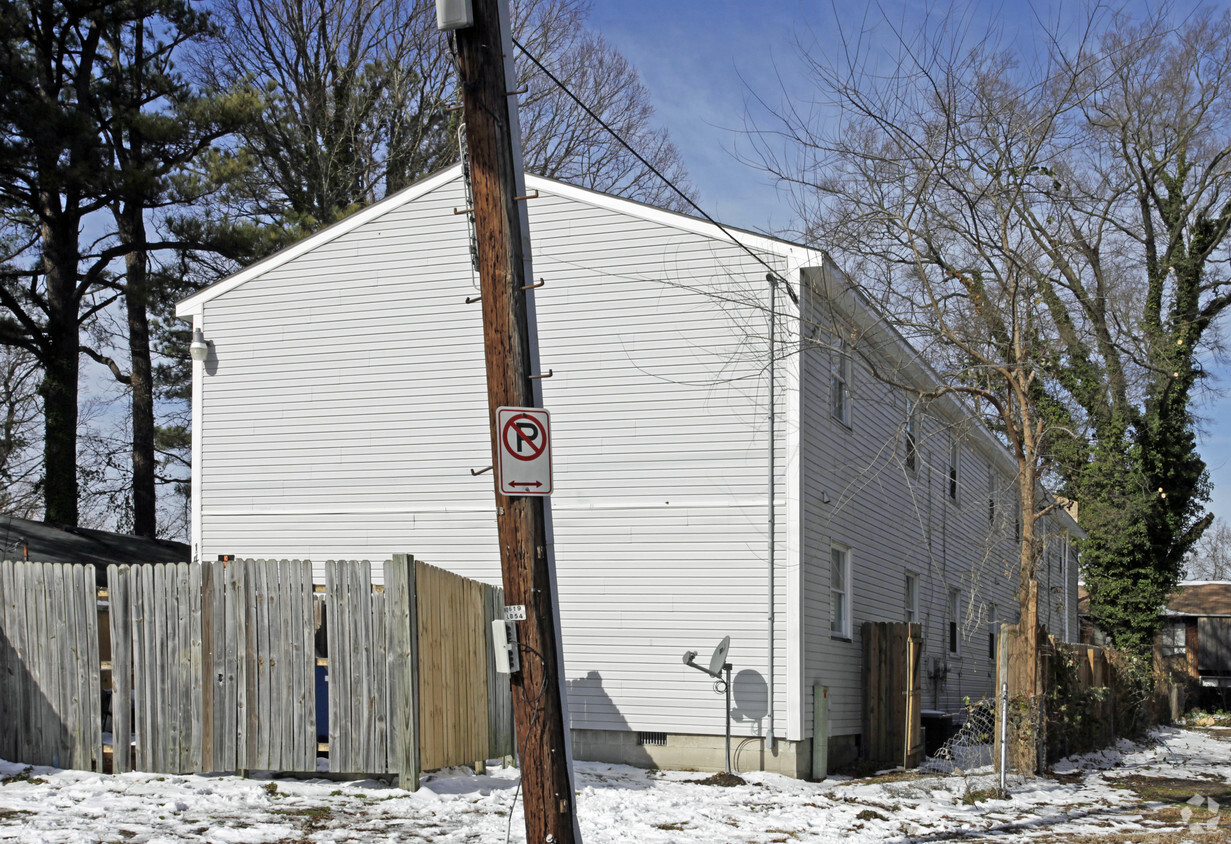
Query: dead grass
x=1154, y=836
x=896, y=776
x=1175, y=790
x=723, y=779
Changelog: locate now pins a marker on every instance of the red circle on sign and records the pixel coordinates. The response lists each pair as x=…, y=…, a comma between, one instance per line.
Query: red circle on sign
x=522, y=438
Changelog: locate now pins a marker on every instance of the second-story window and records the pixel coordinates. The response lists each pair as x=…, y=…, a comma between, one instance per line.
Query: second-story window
x=955, y=609
x=912, y=435
x=991, y=495
x=992, y=627
x=954, y=463
x=840, y=386
x=912, y=598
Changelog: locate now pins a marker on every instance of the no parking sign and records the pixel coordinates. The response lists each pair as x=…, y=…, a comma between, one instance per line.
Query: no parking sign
x=524, y=439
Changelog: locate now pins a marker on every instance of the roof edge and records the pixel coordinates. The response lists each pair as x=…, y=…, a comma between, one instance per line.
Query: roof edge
x=795, y=253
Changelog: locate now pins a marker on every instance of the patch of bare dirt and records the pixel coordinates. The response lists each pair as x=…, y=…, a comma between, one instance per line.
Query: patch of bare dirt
x=723, y=779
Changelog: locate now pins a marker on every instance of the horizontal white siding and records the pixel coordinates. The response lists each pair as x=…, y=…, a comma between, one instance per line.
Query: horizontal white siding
x=858, y=493
x=346, y=405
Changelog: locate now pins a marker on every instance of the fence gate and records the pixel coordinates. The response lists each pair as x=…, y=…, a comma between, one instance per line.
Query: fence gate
x=892, y=693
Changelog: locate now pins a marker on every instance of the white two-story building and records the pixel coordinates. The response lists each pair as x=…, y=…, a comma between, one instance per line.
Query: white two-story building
x=342, y=409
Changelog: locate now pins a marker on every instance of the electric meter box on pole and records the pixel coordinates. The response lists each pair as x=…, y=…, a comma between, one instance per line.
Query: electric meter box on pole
x=523, y=436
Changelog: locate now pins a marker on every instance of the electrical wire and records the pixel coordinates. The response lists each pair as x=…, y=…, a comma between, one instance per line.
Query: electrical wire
x=508, y=832
x=534, y=60
x=537, y=701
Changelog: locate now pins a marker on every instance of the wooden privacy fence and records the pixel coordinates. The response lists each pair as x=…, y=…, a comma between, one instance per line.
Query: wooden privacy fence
x=1076, y=700
x=220, y=660
x=892, y=688
x=50, y=700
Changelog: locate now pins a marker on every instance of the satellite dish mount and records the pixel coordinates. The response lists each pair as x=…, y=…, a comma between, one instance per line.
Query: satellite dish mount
x=720, y=670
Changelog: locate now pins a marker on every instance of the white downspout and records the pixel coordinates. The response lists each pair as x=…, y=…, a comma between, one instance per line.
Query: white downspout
x=769, y=615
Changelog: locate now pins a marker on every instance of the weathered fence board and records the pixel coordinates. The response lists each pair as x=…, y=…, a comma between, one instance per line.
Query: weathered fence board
x=10, y=666
x=400, y=586
x=89, y=661
x=347, y=603
x=49, y=697
x=208, y=682
x=120, y=600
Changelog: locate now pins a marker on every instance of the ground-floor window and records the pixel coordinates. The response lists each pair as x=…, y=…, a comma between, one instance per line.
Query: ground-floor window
x=840, y=592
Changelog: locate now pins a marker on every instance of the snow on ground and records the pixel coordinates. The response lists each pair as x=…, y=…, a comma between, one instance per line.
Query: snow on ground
x=1086, y=798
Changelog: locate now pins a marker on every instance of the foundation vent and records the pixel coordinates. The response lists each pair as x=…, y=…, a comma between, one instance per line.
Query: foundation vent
x=654, y=739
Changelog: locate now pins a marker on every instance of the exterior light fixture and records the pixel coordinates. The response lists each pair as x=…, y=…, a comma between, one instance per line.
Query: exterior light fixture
x=199, y=350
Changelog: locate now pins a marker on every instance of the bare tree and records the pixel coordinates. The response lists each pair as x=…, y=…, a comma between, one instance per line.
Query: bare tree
x=358, y=97
x=1210, y=558
x=1049, y=227
x=355, y=101
x=20, y=447
x=914, y=187
x=562, y=141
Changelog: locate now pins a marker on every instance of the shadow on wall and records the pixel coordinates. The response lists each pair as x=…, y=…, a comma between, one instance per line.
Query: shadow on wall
x=607, y=736
x=34, y=732
x=750, y=699
x=749, y=705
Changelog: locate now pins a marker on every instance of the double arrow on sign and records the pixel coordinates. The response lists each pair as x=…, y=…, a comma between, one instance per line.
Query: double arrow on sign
x=536, y=484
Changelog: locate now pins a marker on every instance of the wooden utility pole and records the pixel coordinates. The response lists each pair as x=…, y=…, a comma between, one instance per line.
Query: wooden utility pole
x=521, y=520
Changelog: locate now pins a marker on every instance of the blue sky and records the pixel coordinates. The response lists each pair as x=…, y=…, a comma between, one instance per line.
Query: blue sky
x=701, y=59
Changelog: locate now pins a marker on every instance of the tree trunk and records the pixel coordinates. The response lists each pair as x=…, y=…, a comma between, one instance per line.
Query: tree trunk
x=60, y=370
x=136, y=303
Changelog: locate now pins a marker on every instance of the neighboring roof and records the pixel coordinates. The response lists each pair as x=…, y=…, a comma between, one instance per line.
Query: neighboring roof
x=765, y=243
x=1200, y=598
x=49, y=543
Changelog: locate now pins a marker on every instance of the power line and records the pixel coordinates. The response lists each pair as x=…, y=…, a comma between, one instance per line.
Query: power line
x=786, y=284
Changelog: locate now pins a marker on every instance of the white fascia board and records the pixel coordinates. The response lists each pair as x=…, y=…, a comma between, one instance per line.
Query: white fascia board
x=194, y=305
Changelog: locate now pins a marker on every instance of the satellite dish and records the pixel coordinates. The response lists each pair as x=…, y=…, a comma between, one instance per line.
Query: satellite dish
x=718, y=664
x=719, y=658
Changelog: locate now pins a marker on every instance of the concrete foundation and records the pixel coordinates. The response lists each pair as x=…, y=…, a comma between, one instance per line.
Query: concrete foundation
x=693, y=753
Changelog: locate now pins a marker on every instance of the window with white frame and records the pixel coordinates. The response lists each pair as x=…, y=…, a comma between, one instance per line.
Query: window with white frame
x=1173, y=639
x=1065, y=550
x=954, y=463
x=840, y=386
x=992, y=627
x=912, y=597
x=840, y=592
x=912, y=435
x=955, y=608
x=991, y=495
